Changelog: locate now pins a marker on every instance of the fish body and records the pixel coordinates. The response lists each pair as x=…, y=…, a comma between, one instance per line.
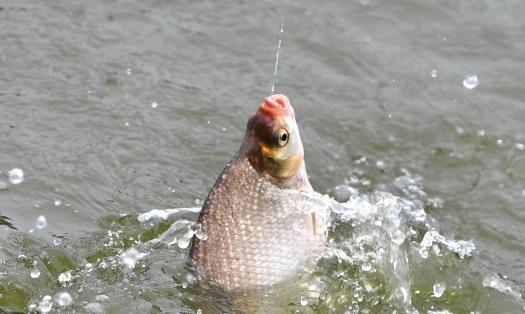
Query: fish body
x=262, y=220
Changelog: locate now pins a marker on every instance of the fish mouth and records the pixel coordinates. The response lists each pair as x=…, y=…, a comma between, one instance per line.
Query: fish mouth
x=277, y=105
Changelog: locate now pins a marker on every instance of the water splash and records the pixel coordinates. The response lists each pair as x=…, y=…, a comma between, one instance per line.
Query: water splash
x=494, y=281
x=277, y=54
x=63, y=299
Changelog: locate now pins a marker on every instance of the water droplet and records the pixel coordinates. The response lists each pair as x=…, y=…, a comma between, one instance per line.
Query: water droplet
x=3, y=186
x=520, y=146
x=434, y=73
x=63, y=299
x=303, y=300
x=46, y=304
x=438, y=288
x=126, y=123
x=154, y=105
x=129, y=71
x=101, y=298
x=199, y=311
x=35, y=273
x=57, y=241
x=41, y=222
x=64, y=277
x=366, y=267
x=460, y=130
x=224, y=129
x=470, y=81
x=481, y=132
x=499, y=141
x=57, y=202
x=15, y=175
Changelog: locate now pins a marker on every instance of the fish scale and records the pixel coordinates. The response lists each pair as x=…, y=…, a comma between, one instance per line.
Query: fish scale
x=257, y=233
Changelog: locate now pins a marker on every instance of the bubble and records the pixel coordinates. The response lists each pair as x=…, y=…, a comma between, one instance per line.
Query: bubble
x=57, y=202
x=154, y=105
x=57, y=241
x=63, y=299
x=35, y=273
x=434, y=73
x=343, y=192
x=46, y=304
x=64, y=277
x=303, y=300
x=470, y=81
x=15, y=175
x=41, y=222
x=438, y=288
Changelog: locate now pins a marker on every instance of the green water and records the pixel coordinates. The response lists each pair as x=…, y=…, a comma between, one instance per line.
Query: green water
x=77, y=83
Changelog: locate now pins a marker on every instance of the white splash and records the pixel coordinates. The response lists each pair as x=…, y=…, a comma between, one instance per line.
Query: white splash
x=460, y=247
x=65, y=277
x=163, y=214
x=494, y=281
x=45, y=304
x=130, y=258
x=63, y=299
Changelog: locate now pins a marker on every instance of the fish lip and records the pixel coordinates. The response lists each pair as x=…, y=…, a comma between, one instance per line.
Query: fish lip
x=276, y=105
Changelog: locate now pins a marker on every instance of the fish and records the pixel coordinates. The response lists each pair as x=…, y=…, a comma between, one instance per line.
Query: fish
x=261, y=221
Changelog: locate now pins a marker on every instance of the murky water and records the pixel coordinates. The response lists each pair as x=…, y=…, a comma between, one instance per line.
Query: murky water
x=113, y=109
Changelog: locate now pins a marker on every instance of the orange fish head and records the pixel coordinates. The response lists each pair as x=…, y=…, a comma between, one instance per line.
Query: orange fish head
x=272, y=142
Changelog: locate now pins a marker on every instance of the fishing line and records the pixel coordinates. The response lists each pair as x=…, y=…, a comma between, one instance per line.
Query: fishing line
x=280, y=40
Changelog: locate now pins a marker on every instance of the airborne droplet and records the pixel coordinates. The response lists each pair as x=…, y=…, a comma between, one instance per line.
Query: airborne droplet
x=471, y=81
x=16, y=175
x=41, y=222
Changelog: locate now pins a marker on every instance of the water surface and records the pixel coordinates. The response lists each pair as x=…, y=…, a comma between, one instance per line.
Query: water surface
x=378, y=92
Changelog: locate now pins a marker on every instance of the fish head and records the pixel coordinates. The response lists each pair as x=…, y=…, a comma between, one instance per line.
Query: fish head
x=273, y=145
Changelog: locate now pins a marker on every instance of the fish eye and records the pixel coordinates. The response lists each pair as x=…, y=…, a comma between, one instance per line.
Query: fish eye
x=283, y=137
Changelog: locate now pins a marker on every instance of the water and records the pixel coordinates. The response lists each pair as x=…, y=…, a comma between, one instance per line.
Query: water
x=78, y=85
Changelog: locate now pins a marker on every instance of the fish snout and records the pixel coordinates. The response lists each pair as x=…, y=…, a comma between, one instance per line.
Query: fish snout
x=276, y=105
